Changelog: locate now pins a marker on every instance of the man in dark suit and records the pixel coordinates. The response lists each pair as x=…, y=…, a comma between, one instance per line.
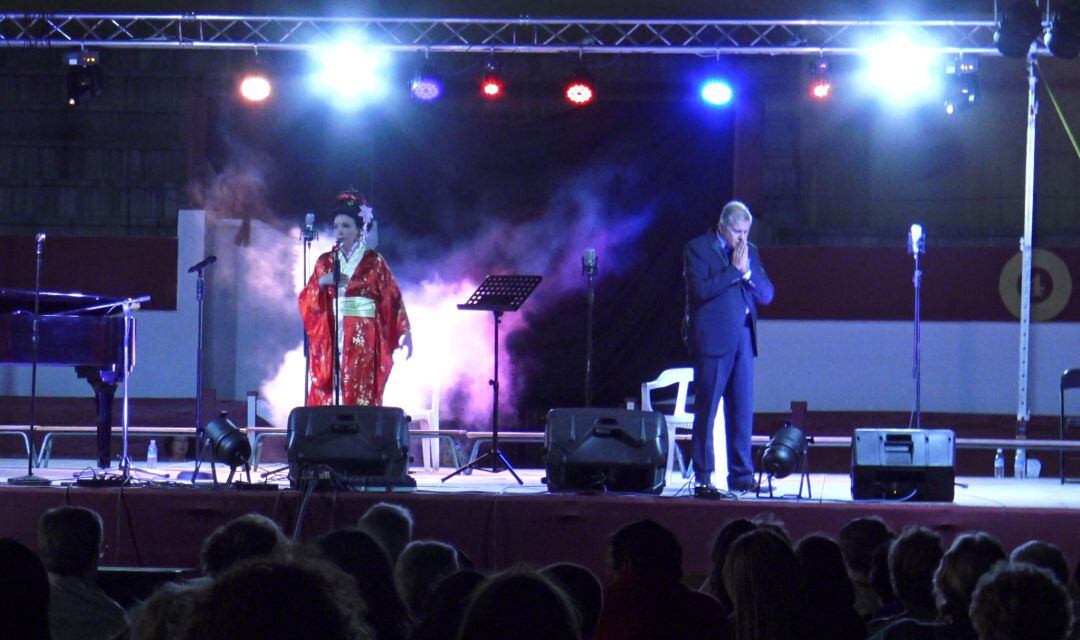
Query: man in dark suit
x=725, y=281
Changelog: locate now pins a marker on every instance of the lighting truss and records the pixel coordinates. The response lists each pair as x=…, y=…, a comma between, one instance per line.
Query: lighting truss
x=464, y=35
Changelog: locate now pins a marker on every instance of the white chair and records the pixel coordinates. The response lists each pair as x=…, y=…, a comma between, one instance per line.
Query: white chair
x=680, y=418
x=429, y=417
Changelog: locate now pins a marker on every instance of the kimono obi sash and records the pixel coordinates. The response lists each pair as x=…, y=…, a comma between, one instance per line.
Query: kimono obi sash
x=357, y=307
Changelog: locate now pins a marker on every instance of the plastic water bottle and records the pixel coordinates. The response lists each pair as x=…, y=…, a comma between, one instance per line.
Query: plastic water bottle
x=151, y=455
x=999, y=464
x=1020, y=466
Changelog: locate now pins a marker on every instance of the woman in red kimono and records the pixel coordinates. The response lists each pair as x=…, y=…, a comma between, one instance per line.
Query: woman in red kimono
x=372, y=315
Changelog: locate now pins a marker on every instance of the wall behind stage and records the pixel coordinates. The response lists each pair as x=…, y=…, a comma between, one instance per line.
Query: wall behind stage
x=845, y=362
x=166, y=338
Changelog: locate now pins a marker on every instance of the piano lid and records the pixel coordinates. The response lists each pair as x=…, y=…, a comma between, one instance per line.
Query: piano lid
x=15, y=300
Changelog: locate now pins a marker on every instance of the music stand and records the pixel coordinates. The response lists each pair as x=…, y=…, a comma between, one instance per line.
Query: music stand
x=497, y=294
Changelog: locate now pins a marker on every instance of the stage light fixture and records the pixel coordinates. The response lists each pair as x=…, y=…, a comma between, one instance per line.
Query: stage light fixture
x=255, y=85
x=785, y=452
x=962, y=84
x=228, y=444
x=820, y=82
x=84, y=76
x=491, y=84
x=717, y=92
x=1020, y=24
x=901, y=70
x=349, y=74
x=580, y=90
x=1063, y=37
x=425, y=86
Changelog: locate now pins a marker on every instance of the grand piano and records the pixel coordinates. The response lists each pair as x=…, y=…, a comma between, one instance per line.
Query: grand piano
x=76, y=330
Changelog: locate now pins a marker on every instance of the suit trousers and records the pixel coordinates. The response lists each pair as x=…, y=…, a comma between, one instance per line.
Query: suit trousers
x=730, y=376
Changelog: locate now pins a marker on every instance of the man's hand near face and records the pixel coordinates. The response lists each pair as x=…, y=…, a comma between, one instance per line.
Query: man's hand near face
x=740, y=257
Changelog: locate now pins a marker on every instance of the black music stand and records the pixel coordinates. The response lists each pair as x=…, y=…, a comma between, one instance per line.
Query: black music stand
x=497, y=294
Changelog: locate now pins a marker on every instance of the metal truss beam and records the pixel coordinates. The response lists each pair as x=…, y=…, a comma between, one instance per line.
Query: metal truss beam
x=474, y=35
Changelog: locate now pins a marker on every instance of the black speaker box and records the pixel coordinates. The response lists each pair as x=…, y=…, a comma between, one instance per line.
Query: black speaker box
x=605, y=449
x=907, y=464
x=355, y=447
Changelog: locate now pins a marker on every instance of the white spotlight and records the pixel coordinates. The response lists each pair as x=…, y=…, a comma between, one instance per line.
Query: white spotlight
x=349, y=74
x=900, y=70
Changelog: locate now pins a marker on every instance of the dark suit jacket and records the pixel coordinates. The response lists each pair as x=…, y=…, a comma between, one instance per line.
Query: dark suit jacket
x=717, y=296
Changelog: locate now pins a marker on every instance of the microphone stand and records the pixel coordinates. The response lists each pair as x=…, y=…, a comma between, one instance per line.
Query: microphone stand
x=917, y=245
x=30, y=479
x=200, y=428
x=307, y=234
x=335, y=328
x=588, y=269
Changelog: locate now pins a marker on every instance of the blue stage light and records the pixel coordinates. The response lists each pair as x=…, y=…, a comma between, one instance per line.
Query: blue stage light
x=426, y=87
x=716, y=92
x=902, y=71
x=349, y=74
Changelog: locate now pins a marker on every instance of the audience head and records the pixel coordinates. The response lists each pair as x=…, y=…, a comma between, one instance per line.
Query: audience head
x=731, y=531
x=359, y=555
x=69, y=540
x=880, y=581
x=519, y=604
x=1044, y=555
x=584, y=590
x=763, y=578
x=167, y=613
x=859, y=539
x=419, y=569
x=446, y=606
x=913, y=558
x=391, y=525
x=647, y=549
x=1015, y=601
x=280, y=600
x=970, y=556
x=828, y=586
x=24, y=593
x=248, y=537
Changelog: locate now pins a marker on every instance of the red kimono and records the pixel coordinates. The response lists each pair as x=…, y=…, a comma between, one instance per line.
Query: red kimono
x=369, y=342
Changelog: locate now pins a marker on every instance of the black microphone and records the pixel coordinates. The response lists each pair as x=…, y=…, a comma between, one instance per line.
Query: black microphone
x=40, y=241
x=337, y=264
x=206, y=262
x=309, y=227
x=588, y=262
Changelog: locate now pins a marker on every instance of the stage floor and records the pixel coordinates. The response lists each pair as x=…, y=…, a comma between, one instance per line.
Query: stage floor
x=1034, y=493
x=499, y=523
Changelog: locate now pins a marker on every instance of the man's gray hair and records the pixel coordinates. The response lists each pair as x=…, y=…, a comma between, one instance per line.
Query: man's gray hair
x=735, y=211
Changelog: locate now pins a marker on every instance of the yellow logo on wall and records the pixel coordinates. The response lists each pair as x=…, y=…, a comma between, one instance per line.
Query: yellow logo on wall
x=1051, y=285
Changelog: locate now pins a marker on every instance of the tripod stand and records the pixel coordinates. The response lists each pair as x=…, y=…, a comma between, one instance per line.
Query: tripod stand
x=497, y=294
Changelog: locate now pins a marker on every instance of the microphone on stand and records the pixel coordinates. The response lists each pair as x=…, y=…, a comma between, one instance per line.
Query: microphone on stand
x=40, y=241
x=916, y=240
x=204, y=263
x=308, y=232
x=588, y=263
x=337, y=264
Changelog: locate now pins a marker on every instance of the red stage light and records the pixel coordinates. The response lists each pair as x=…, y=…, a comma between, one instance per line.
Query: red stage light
x=821, y=89
x=491, y=87
x=579, y=92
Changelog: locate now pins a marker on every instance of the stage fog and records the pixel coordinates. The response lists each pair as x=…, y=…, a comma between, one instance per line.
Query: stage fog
x=458, y=195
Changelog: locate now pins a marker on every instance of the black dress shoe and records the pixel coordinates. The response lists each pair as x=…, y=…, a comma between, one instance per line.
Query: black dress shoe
x=752, y=486
x=707, y=491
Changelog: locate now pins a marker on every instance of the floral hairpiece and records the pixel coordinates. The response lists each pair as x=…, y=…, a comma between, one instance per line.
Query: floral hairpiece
x=353, y=201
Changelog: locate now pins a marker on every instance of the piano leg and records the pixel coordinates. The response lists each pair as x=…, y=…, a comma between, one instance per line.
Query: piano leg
x=104, y=393
x=104, y=385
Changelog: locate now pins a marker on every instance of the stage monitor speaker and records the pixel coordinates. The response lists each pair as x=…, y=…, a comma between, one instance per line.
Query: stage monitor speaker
x=605, y=450
x=903, y=464
x=354, y=448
